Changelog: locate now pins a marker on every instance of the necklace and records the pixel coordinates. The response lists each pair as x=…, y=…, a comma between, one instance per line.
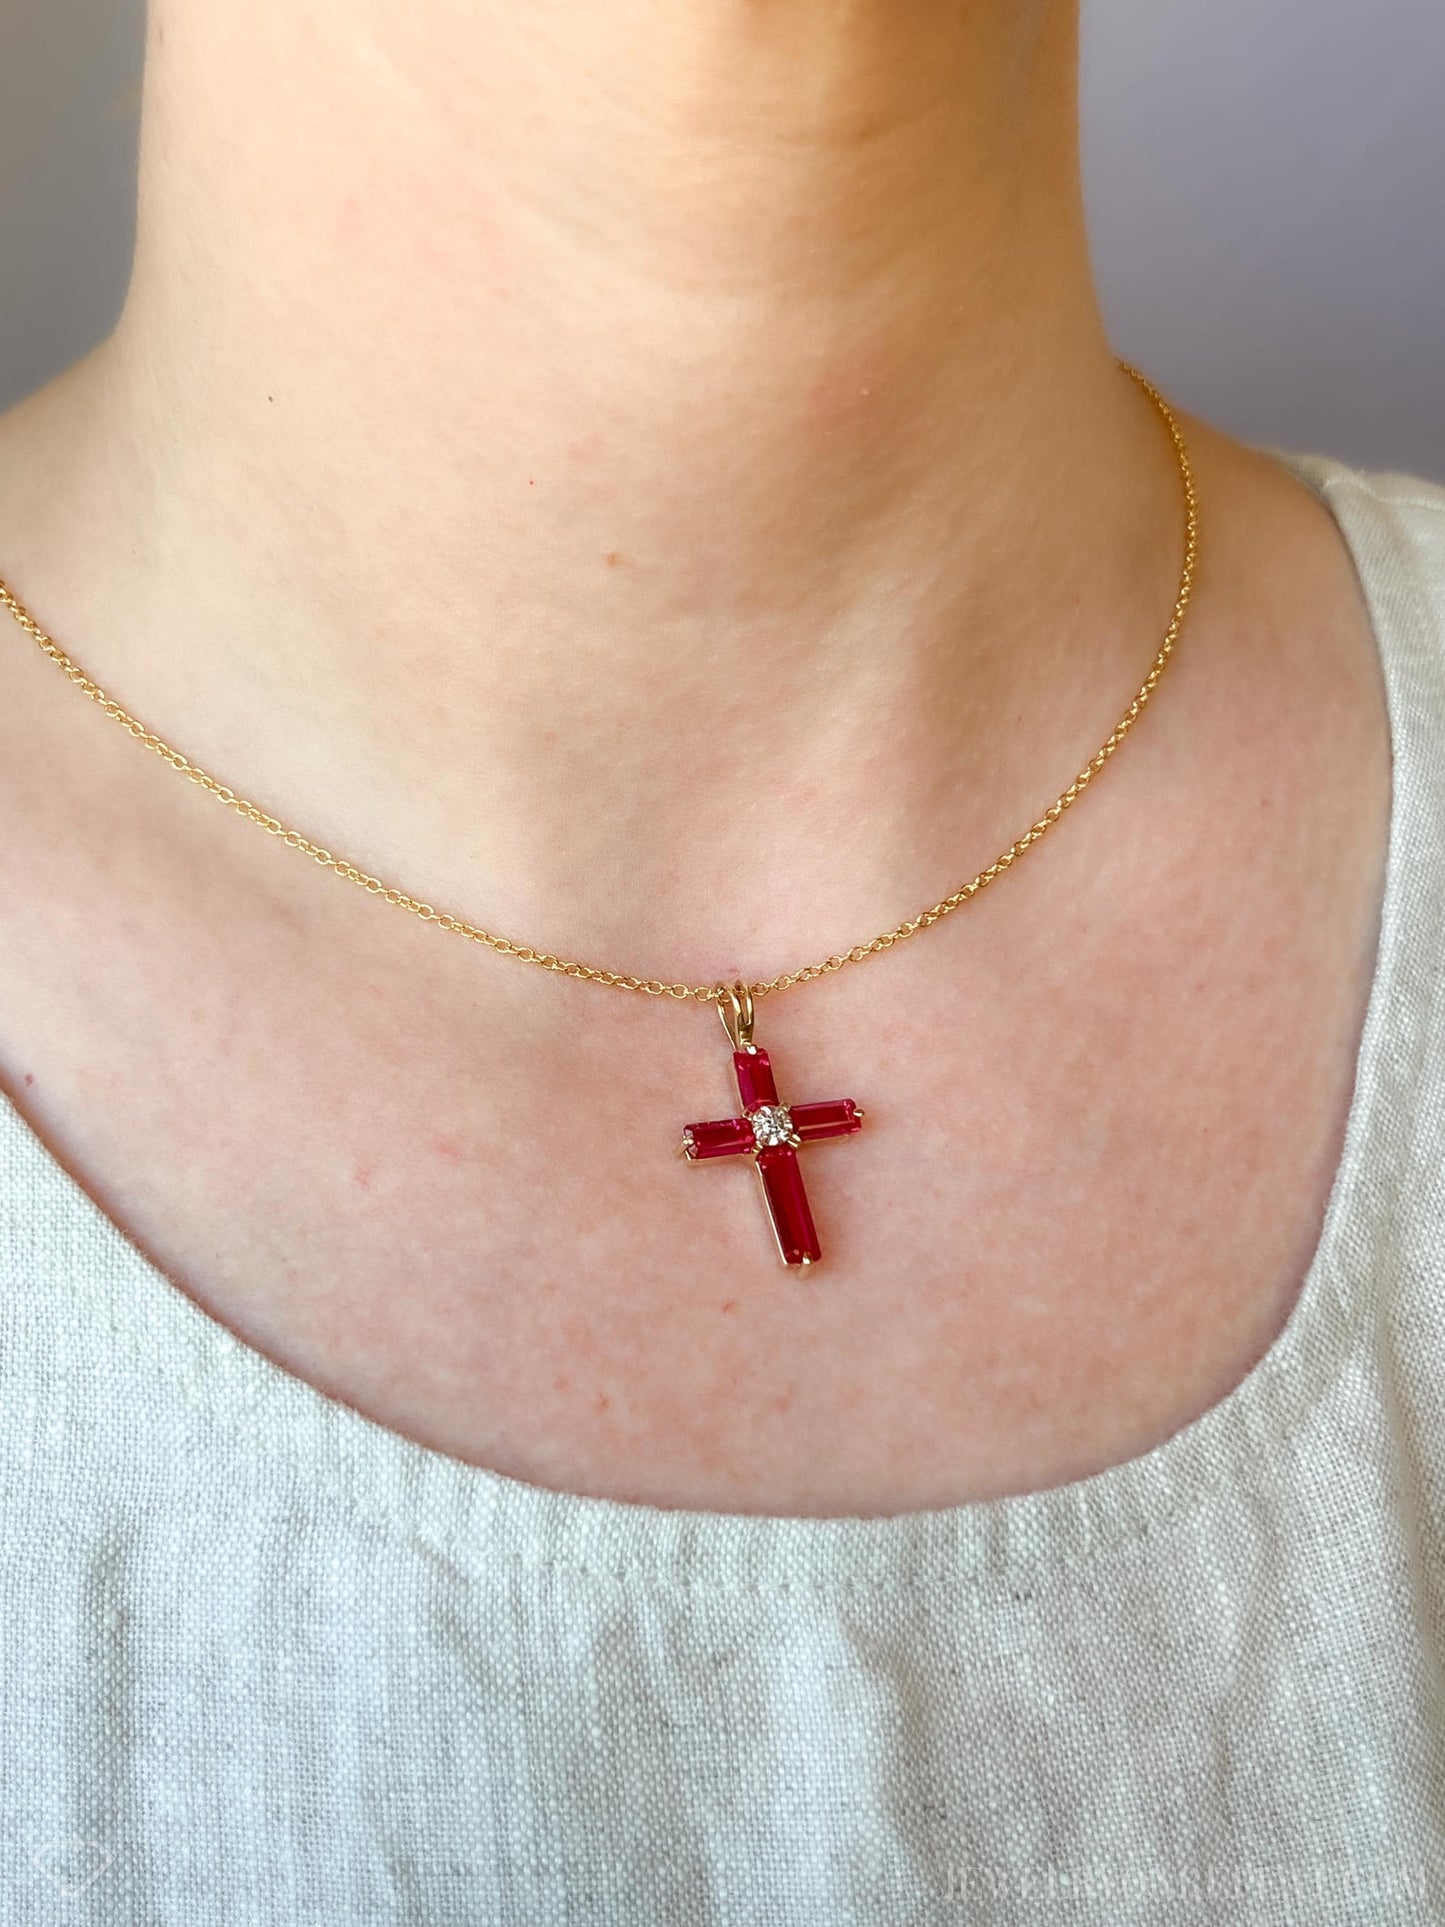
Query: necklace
x=766, y=1131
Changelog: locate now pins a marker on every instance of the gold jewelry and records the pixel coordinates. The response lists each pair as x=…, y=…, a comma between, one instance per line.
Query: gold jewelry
x=770, y=1132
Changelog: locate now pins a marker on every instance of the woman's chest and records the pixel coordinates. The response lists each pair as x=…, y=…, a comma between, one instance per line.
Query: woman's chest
x=1088, y=1181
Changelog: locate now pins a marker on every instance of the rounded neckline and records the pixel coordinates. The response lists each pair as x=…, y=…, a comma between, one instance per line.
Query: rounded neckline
x=480, y=1518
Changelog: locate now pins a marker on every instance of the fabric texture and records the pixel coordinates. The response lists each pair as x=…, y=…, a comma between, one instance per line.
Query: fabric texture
x=264, y=1661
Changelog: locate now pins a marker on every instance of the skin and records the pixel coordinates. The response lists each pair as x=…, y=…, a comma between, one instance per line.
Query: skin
x=654, y=480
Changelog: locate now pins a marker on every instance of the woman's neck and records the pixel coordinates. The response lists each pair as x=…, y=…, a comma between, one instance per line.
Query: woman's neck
x=593, y=451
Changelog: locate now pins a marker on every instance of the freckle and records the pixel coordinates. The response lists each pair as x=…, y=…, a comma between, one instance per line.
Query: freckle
x=613, y=558
x=29, y=1077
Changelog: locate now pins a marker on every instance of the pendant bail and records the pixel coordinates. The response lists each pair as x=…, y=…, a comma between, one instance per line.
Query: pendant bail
x=735, y=1007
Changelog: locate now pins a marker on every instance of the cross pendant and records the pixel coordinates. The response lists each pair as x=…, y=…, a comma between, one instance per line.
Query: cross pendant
x=770, y=1132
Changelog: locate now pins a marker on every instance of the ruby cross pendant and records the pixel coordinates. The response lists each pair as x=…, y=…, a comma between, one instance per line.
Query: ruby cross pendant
x=770, y=1132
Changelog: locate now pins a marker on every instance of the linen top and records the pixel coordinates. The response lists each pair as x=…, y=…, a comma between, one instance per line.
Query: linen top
x=262, y=1660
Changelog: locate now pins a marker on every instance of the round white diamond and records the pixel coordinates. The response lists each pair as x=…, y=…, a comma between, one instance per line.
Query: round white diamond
x=771, y=1125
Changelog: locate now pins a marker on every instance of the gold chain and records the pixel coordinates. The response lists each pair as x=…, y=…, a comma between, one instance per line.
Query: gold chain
x=653, y=986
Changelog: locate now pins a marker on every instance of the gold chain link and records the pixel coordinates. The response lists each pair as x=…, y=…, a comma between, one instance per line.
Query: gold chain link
x=653, y=986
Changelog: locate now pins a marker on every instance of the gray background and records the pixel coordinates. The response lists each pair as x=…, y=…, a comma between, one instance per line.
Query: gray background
x=1266, y=188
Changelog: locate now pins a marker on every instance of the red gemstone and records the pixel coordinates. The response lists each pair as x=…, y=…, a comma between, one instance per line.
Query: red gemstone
x=836, y=1117
x=755, y=1079
x=777, y=1164
x=788, y=1205
x=724, y=1138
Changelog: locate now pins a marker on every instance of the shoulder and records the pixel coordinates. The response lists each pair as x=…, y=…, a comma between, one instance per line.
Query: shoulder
x=1413, y=500
x=1394, y=524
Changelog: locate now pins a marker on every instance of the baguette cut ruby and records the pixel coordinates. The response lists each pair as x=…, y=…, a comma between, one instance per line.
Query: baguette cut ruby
x=762, y=1132
x=756, y=1086
x=788, y=1205
x=724, y=1138
x=834, y=1117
